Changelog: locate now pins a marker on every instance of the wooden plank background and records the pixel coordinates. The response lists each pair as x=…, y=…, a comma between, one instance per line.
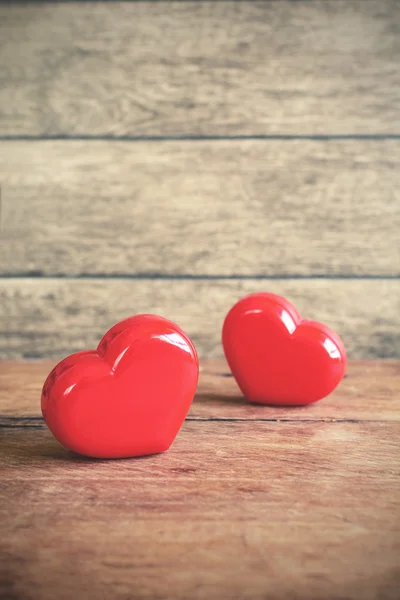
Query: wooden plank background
x=171, y=156
x=201, y=68
x=51, y=317
x=282, y=208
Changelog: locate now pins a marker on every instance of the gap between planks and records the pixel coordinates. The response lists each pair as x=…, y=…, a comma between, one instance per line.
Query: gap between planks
x=194, y=277
x=199, y=138
x=38, y=422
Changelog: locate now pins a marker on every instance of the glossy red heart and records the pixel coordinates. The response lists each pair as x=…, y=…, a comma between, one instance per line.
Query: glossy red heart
x=127, y=398
x=276, y=357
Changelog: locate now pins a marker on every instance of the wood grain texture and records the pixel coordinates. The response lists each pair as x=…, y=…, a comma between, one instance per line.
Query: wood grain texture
x=227, y=207
x=370, y=391
x=233, y=510
x=237, y=509
x=220, y=68
x=51, y=318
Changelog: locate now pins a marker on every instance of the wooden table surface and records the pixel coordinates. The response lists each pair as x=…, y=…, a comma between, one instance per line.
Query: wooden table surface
x=249, y=502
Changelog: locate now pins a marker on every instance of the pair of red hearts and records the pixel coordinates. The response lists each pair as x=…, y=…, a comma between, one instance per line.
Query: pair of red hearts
x=130, y=396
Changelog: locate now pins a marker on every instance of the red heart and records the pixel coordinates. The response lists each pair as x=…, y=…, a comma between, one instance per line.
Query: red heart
x=127, y=398
x=278, y=358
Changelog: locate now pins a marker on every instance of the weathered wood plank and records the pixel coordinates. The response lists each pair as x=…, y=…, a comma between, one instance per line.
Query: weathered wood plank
x=200, y=68
x=369, y=391
x=253, y=207
x=51, y=318
x=232, y=510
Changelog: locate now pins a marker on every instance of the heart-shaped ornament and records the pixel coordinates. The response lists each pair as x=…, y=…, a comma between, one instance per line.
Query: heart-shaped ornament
x=130, y=396
x=278, y=358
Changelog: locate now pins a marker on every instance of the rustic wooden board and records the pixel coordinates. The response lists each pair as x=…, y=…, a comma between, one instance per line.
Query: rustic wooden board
x=51, y=318
x=219, y=68
x=233, y=510
x=370, y=391
x=227, y=207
